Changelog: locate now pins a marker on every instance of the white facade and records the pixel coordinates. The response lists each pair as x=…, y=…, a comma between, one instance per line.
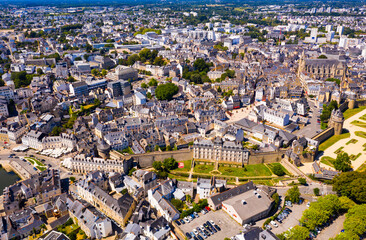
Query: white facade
x=275, y=117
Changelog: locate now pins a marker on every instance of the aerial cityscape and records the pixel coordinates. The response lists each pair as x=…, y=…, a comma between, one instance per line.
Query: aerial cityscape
x=154, y=120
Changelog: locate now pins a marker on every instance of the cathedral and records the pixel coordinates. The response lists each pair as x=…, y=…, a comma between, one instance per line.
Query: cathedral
x=323, y=68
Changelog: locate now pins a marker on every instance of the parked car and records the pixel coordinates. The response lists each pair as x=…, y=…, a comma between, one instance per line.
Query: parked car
x=186, y=220
x=268, y=227
x=182, y=221
x=217, y=227
x=274, y=224
x=195, y=214
x=208, y=208
x=177, y=222
x=203, y=211
x=188, y=235
x=195, y=232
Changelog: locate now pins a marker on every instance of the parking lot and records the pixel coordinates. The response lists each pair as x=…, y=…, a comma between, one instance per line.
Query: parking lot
x=228, y=226
x=292, y=219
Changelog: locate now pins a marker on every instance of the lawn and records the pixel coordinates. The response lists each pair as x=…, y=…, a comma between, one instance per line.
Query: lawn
x=362, y=168
x=339, y=150
x=359, y=123
x=271, y=166
x=187, y=166
x=360, y=134
x=353, y=157
x=327, y=160
x=332, y=140
x=38, y=164
x=249, y=171
x=350, y=112
x=353, y=141
x=363, y=117
x=203, y=168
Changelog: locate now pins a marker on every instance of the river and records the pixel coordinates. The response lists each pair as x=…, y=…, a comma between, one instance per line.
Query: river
x=7, y=179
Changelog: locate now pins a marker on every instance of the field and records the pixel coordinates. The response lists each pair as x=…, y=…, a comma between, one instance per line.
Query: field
x=332, y=140
x=350, y=112
x=203, y=168
x=359, y=123
x=360, y=134
x=327, y=161
x=271, y=166
x=187, y=166
x=249, y=171
x=39, y=165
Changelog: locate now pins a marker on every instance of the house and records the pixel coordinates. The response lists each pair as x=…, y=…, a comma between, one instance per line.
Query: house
x=207, y=187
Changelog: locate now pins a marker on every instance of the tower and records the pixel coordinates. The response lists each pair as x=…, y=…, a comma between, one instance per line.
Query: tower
x=336, y=121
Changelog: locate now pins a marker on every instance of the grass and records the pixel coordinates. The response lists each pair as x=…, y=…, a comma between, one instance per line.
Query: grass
x=36, y=163
x=353, y=141
x=363, y=117
x=362, y=168
x=339, y=150
x=327, y=160
x=203, y=168
x=127, y=150
x=248, y=171
x=359, y=123
x=187, y=166
x=332, y=140
x=350, y=112
x=360, y=134
x=271, y=166
x=353, y=157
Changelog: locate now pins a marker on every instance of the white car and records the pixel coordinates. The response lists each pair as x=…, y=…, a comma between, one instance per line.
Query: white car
x=186, y=220
x=308, y=204
x=212, y=222
x=195, y=232
x=274, y=224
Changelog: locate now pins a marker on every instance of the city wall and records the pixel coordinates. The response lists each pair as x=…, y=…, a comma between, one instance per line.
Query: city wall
x=146, y=160
x=327, y=133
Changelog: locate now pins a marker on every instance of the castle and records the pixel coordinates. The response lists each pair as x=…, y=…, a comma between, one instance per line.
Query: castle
x=336, y=121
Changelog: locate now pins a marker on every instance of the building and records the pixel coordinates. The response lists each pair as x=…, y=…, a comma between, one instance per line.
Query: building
x=126, y=73
x=119, y=209
x=119, y=88
x=92, y=222
x=207, y=187
x=79, y=89
x=219, y=150
x=39, y=141
x=82, y=164
x=7, y=92
x=276, y=117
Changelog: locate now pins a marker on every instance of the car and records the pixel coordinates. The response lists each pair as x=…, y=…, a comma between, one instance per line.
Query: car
x=308, y=204
x=203, y=211
x=195, y=214
x=207, y=233
x=177, y=222
x=186, y=220
x=182, y=221
x=204, y=235
x=199, y=237
x=217, y=227
x=202, y=228
x=268, y=227
x=190, y=218
x=212, y=222
x=188, y=235
x=208, y=208
x=287, y=209
x=195, y=232
x=274, y=224
x=208, y=223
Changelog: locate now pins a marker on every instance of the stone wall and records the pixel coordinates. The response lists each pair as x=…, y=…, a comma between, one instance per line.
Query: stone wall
x=321, y=137
x=146, y=160
x=266, y=157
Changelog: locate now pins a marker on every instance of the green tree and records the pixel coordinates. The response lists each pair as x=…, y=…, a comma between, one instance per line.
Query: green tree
x=144, y=85
x=157, y=165
x=124, y=191
x=104, y=72
x=342, y=162
x=95, y=72
x=347, y=236
x=298, y=233
x=352, y=185
x=322, y=57
x=356, y=220
x=188, y=198
x=153, y=82
x=302, y=181
x=148, y=95
x=346, y=203
x=278, y=170
x=39, y=71
x=293, y=194
x=56, y=131
x=166, y=91
x=178, y=204
x=316, y=191
x=170, y=163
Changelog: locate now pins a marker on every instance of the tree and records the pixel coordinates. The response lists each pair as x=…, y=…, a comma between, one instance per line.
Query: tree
x=293, y=194
x=352, y=185
x=21, y=79
x=157, y=165
x=95, y=72
x=124, y=191
x=144, y=85
x=356, y=220
x=278, y=170
x=104, y=72
x=72, y=179
x=2, y=83
x=178, y=204
x=39, y=71
x=166, y=91
x=346, y=203
x=56, y=131
x=298, y=233
x=347, y=236
x=168, y=148
x=153, y=82
x=148, y=95
x=302, y=181
x=342, y=162
x=170, y=163
x=188, y=198
x=322, y=57
x=316, y=191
